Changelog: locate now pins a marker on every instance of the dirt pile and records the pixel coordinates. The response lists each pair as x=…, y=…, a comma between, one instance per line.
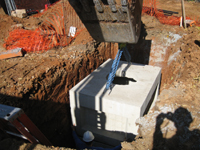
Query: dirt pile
x=174, y=122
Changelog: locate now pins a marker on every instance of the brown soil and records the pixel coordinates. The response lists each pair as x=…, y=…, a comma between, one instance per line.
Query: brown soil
x=39, y=82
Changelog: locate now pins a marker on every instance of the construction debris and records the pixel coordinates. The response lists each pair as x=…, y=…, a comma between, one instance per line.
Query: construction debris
x=17, y=26
x=72, y=31
x=20, y=13
x=188, y=22
x=11, y=53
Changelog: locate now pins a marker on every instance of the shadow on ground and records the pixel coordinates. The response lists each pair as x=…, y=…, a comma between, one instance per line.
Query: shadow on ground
x=52, y=119
x=184, y=139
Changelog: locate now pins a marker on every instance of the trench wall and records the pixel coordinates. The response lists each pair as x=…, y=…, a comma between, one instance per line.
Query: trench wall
x=45, y=98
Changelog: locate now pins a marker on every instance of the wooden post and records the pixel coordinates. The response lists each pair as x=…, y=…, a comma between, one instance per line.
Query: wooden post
x=183, y=13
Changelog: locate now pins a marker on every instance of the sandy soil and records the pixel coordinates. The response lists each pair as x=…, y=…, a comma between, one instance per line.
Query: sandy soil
x=39, y=82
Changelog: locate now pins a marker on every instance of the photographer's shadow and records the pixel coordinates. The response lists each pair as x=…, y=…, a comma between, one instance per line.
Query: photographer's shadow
x=184, y=139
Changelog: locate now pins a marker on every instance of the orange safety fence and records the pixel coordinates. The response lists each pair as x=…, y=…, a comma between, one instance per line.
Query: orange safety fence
x=53, y=31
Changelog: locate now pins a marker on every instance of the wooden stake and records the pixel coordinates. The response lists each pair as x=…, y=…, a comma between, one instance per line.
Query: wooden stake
x=183, y=13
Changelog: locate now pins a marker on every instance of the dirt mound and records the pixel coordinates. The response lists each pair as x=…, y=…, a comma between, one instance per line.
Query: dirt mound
x=177, y=52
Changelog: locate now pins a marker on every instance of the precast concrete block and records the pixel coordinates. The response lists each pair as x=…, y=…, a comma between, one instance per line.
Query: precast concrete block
x=111, y=115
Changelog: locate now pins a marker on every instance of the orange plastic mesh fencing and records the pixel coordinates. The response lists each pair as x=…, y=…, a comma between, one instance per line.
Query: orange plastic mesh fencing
x=53, y=31
x=150, y=7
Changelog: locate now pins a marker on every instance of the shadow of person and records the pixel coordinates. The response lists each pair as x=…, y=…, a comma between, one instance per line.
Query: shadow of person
x=184, y=139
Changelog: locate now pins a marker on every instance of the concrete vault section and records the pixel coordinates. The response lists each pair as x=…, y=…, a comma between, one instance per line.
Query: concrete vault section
x=111, y=115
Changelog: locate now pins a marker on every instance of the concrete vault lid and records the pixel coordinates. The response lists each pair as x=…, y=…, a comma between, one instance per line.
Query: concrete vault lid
x=90, y=91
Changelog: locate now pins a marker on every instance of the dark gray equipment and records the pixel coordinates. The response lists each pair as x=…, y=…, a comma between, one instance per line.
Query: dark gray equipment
x=110, y=20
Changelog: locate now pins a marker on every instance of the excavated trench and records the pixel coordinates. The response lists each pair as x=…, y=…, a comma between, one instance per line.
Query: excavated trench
x=42, y=88
x=45, y=93
x=52, y=103
x=49, y=106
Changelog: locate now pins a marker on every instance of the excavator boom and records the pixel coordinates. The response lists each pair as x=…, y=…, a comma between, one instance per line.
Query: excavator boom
x=110, y=20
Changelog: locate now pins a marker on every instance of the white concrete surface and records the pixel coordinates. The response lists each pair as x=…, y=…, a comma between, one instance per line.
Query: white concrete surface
x=111, y=115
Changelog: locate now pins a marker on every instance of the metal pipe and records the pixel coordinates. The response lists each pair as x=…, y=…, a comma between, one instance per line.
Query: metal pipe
x=13, y=4
x=8, y=7
x=18, y=135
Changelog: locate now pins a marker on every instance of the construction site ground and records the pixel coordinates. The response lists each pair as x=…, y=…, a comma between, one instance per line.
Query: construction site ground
x=39, y=82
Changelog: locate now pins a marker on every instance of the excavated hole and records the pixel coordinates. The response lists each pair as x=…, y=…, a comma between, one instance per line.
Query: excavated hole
x=47, y=101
